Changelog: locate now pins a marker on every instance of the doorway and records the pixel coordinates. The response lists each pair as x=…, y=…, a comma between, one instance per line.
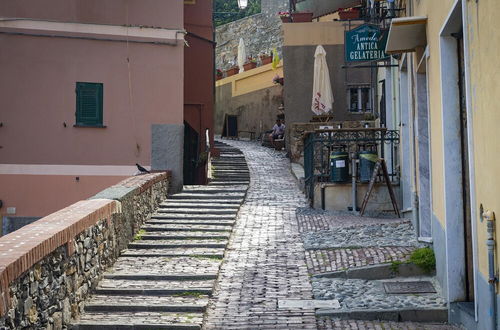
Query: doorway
x=464, y=156
x=191, y=139
x=460, y=241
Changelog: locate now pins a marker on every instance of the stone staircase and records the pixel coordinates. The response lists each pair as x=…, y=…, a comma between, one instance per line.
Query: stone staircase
x=165, y=278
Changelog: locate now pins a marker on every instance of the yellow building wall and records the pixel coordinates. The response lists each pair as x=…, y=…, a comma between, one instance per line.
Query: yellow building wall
x=436, y=12
x=252, y=80
x=484, y=47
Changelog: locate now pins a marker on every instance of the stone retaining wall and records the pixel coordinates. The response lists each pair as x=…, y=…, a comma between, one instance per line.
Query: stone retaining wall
x=48, y=268
x=261, y=33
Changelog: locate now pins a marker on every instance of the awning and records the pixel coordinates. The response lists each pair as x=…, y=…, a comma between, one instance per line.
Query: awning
x=406, y=34
x=324, y=7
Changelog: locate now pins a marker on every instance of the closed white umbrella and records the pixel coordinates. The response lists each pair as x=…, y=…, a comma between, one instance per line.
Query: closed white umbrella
x=242, y=55
x=322, y=98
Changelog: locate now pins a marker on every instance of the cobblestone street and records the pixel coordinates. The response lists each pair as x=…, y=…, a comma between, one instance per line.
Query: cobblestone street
x=266, y=260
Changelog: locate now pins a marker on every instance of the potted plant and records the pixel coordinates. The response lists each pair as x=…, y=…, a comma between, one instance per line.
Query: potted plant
x=266, y=58
x=278, y=80
x=219, y=74
x=349, y=13
x=250, y=64
x=232, y=71
x=302, y=17
x=285, y=17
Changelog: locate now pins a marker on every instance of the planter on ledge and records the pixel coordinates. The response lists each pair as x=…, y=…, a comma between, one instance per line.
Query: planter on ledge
x=350, y=14
x=232, y=71
x=266, y=59
x=302, y=17
x=249, y=66
x=286, y=19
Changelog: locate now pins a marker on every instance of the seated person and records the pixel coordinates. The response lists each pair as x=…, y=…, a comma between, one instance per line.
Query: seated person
x=278, y=131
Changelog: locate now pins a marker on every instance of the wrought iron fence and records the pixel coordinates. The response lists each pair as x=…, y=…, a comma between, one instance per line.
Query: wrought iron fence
x=319, y=144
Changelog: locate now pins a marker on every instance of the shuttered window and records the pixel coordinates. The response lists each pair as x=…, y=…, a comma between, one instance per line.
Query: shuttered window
x=89, y=104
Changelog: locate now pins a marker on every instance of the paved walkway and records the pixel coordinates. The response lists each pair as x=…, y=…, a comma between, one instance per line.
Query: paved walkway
x=265, y=260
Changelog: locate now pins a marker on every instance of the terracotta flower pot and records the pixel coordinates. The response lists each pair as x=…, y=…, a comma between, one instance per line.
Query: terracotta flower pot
x=232, y=71
x=249, y=66
x=266, y=59
x=302, y=17
x=286, y=19
x=351, y=14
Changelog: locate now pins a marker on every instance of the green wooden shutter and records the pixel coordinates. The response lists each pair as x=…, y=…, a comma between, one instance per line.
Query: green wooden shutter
x=89, y=104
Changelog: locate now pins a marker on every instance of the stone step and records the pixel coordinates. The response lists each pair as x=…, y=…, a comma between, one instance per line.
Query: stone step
x=185, y=216
x=213, y=190
x=208, y=253
x=231, y=179
x=427, y=315
x=139, y=321
x=185, y=236
x=173, y=244
x=210, y=196
x=215, y=222
x=161, y=266
x=185, y=228
x=102, y=303
x=155, y=288
x=223, y=183
x=204, y=201
x=218, y=171
x=202, y=205
x=192, y=210
x=160, y=277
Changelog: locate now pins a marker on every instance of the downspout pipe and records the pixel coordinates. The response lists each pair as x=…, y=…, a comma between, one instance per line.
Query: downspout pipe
x=492, y=279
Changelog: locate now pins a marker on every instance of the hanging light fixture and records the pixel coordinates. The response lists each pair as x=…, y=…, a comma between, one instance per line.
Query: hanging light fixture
x=242, y=4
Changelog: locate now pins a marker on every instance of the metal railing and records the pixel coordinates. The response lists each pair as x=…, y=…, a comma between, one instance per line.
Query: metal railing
x=319, y=144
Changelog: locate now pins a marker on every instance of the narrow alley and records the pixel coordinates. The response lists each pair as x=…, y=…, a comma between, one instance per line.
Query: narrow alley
x=186, y=269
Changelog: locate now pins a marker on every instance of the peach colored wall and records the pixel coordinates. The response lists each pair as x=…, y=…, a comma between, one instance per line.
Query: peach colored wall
x=37, y=95
x=40, y=195
x=157, y=13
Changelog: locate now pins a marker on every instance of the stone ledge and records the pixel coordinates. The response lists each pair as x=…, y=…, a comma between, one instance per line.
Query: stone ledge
x=133, y=185
x=126, y=203
x=21, y=249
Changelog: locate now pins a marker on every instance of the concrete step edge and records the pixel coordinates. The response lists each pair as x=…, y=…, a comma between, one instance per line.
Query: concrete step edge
x=439, y=315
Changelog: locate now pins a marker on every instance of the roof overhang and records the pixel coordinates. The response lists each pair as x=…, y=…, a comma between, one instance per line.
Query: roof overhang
x=324, y=7
x=406, y=34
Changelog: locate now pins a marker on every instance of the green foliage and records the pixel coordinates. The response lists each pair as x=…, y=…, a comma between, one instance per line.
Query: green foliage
x=226, y=11
x=190, y=294
x=424, y=258
x=395, y=266
x=139, y=234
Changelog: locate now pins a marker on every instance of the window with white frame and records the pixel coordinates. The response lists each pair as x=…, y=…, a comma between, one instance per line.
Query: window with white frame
x=359, y=99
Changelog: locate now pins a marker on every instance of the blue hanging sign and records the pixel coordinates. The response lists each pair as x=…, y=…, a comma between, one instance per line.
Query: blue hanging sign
x=365, y=43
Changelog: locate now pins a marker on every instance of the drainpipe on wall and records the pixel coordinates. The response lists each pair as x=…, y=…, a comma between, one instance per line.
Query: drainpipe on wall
x=492, y=279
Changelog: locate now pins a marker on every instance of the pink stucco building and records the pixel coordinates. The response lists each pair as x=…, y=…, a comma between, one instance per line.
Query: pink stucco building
x=88, y=88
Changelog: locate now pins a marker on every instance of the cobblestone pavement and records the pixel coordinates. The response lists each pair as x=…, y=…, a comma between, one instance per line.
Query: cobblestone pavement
x=331, y=260
x=265, y=259
x=325, y=323
x=311, y=220
x=373, y=235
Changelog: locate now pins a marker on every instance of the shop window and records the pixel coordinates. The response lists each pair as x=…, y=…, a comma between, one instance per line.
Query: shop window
x=359, y=99
x=89, y=110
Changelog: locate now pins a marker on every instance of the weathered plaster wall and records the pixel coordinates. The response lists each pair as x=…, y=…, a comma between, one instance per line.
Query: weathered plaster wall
x=256, y=110
x=484, y=39
x=299, y=72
